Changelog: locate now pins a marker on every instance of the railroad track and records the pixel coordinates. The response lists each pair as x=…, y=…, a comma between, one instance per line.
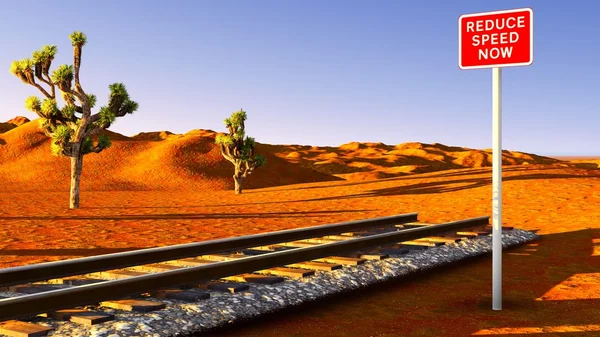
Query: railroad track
x=137, y=280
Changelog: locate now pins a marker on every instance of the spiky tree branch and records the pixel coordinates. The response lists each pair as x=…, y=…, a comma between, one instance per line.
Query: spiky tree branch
x=78, y=40
x=239, y=149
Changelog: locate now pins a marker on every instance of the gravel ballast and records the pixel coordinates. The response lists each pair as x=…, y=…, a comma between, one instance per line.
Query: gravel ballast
x=183, y=318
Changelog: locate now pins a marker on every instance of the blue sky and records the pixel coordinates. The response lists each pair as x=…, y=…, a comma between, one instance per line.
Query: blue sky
x=320, y=72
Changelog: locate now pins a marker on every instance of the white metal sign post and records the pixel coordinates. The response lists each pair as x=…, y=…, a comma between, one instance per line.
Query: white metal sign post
x=497, y=188
x=496, y=40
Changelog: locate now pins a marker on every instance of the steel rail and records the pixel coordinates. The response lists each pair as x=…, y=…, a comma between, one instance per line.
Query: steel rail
x=26, y=305
x=48, y=270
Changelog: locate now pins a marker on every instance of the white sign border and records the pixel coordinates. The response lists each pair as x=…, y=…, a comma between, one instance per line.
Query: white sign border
x=498, y=65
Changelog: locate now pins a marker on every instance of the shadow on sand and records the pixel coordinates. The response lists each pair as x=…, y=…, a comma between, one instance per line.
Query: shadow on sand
x=421, y=188
x=529, y=272
x=66, y=251
x=430, y=187
x=192, y=216
x=460, y=172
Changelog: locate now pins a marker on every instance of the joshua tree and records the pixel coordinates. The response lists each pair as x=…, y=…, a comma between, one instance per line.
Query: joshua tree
x=237, y=148
x=73, y=127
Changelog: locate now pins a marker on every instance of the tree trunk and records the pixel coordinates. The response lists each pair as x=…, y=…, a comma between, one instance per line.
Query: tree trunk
x=238, y=183
x=76, y=167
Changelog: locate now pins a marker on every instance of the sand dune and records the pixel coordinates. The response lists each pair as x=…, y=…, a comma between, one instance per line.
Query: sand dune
x=589, y=162
x=147, y=161
x=364, y=161
x=586, y=163
x=158, y=135
x=13, y=123
x=163, y=160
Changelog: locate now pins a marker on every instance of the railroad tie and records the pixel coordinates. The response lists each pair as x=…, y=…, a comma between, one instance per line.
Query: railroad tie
x=32, y=288
x=154, y=267
x=222, y=257
x=414, y=225
x=15, y=328
x=364, y=233
x=230, y=287
x=256, y=251
x=181, y=295
x=421, y=243
x=373, y=256
x=381, y=230
x=316, y=265
x=288, y=272
x=339, y=237
x=297, y=244
x=117, y=274
x=134, y=305
x=260, y=248
x=267, y=249
x=320, y=240
x=263, y=250
x=190, y=261
x=255, y=278
x=443, y=239
x=369, y=255
x=343, y=260
x=74, y=280
x=431, y=239
x=80, y=316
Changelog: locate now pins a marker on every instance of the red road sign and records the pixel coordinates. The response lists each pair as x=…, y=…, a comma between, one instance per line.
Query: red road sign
x=495, y=39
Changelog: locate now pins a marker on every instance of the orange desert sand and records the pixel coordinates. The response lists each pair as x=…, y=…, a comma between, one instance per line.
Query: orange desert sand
x=160, y=188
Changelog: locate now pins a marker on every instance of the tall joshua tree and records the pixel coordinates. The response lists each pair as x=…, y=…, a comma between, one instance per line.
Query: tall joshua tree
x=237, y=148
x=73, y=127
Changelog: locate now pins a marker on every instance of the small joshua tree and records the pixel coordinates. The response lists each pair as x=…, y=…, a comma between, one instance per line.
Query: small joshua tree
x=237, y=148
x=73, y=127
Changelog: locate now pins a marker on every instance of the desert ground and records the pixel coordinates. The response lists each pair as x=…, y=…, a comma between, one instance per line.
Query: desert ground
x=158, y=188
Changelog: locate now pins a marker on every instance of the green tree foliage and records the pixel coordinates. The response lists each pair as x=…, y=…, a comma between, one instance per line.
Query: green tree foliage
x=72, y=127
x=238, y=148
